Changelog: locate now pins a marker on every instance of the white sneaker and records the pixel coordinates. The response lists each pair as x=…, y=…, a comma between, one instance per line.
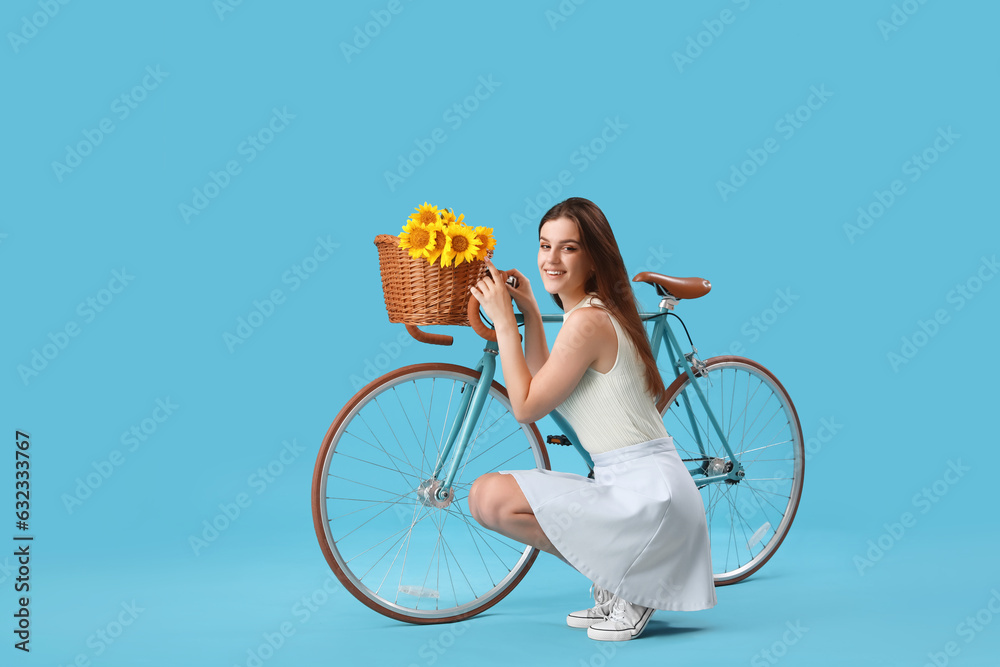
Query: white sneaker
x=587, y=617
x=625, y=621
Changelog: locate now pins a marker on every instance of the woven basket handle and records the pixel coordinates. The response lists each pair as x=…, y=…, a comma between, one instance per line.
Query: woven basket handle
x=476, y=321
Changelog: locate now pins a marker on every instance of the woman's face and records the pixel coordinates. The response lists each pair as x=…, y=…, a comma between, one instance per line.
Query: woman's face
x=562, y=262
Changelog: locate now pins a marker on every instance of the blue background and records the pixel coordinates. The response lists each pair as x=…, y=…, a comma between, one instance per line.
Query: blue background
x=683, y=126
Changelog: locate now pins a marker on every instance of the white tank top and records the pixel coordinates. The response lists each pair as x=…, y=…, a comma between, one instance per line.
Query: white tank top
x=612, y=410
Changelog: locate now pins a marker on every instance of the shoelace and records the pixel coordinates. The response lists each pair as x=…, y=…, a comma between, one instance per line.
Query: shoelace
x=617, y=614
x=601, y=595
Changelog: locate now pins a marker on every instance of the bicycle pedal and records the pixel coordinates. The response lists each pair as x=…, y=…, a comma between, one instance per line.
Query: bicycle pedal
x=558, y=440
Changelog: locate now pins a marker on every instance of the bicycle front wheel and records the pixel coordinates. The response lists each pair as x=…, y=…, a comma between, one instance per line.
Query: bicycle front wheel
x=390, y=543
x=749, y=518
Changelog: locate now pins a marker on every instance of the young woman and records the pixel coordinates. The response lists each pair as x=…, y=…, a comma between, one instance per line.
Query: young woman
x=637, y=530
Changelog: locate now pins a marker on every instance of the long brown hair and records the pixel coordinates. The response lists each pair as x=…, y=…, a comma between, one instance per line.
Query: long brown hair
x=610, y=280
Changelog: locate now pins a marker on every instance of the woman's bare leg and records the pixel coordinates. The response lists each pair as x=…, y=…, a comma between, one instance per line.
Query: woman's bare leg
x=497, y=502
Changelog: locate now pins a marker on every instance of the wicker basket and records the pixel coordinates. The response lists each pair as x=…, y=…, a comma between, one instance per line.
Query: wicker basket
x=419, y=293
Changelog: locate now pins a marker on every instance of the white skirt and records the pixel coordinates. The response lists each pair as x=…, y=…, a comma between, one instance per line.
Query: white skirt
x=637, y=529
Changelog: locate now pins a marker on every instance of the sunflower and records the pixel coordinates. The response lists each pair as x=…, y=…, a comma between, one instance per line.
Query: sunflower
x=448, y=217
x=462, y=245
x=440, y=237
x=416, y=238
x=486, y=241
x=426, y=214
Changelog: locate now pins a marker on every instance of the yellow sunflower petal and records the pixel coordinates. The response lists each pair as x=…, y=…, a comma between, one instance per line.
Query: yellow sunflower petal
x=417, y=241
x=462, y=245
x=426, y=214
x=486, y=241
x=440, y=240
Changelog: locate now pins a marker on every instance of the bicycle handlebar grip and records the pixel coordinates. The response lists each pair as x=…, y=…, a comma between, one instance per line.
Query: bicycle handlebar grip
x=473, y=311
x=424, y=337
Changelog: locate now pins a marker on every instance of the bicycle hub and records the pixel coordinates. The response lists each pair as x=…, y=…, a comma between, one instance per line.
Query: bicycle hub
x=431, y=494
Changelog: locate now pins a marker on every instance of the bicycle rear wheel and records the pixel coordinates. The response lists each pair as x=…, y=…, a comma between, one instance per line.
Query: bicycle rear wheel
x=749, y=518
x=395, y=550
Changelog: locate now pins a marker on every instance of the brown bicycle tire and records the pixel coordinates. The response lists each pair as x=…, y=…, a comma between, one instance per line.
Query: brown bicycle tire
x=671, y=394
x=320, y=471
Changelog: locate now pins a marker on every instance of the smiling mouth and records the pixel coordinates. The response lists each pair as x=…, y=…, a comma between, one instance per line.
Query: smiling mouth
x=554, y=274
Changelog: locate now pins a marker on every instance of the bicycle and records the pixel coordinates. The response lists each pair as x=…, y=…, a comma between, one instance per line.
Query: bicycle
x=399, y=555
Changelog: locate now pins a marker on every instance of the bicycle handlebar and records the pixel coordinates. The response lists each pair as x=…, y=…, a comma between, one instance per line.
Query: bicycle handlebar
x=473, y=311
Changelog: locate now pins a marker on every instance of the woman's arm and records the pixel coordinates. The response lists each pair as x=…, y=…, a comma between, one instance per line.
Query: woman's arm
x=582, y=338
x=536, y=347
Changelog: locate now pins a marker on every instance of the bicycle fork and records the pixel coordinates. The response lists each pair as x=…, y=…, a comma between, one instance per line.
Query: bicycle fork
x=435, y=491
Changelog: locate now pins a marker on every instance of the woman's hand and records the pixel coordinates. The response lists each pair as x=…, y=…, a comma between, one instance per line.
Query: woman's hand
x=522, y=294
x=494, y=297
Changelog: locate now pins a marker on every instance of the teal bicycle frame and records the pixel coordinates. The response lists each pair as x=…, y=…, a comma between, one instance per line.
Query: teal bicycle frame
x=471, y=405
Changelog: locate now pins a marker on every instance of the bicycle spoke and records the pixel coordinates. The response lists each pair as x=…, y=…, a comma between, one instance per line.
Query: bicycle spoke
x=377, y=465
x=495, y=444
x=392, y=458
x=391, y=430
x=447, y=567
x=732, y=406
x=757, y=416
x=460, y=569
x=484, y=534
x=427, y=418
x=414, y=560
x=781, y=430
x=754, y=417
x=504, y=463
x=773, y=444
x=478, y=551
x=378, y=447
x=472, y=445
x=384, y=554
x=780, y=426
x=388, y=506
x=406, y=553
x=406, y=543
x=363, y=500
x=423, y=458
x=444, y=426
x=773, y=493
x=756, y=493
x=401, y=530
x=437, y=586
x=389, y=503
x=354, y=481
